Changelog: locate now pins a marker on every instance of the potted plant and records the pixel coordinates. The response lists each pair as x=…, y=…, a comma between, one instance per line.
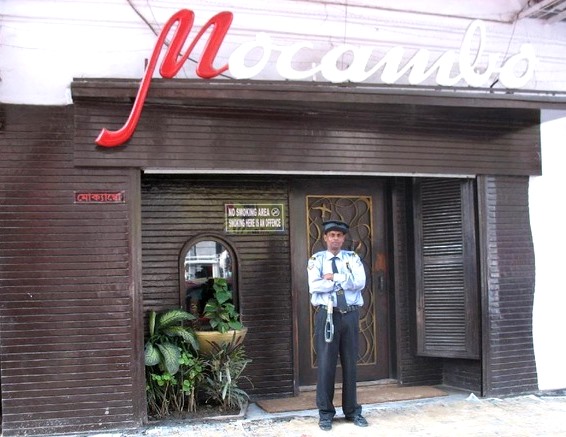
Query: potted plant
x=223, y=369
x=173, y=367
x=223, y=323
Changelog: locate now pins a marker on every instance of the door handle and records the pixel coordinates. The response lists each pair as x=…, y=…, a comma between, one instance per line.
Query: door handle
x=380, y=280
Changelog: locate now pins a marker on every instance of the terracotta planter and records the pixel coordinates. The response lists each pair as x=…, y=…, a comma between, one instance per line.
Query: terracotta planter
x=206, y=338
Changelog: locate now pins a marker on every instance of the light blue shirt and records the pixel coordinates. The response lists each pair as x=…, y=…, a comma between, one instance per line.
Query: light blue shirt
x=351, y=277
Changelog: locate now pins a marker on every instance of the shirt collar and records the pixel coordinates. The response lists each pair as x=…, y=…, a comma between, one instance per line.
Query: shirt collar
x=330, y=255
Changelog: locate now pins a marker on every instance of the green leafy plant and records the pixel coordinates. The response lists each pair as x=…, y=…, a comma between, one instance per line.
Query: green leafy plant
x=220, y=309
x=224, y=370
x=173, y=367
x=166, y=332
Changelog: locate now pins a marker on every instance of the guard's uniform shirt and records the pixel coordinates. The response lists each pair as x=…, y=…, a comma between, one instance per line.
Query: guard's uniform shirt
x=351, y=277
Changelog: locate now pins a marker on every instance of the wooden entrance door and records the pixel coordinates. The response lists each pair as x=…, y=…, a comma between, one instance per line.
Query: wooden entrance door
x=361, y=203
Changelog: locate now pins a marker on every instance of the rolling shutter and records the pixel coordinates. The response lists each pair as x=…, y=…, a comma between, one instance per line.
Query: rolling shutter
x=446, y=268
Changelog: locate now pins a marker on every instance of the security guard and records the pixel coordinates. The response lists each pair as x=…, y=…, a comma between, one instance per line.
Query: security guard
x=338, y=277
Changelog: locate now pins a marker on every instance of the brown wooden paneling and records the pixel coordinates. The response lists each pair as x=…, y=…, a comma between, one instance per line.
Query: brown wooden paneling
x=71, y=343
x=363, y=138
x=66, y=317
x=293, y=94
x=411, y=369
x=176, y=209
x=463, y=374
x=446, y=268
x=508, y=283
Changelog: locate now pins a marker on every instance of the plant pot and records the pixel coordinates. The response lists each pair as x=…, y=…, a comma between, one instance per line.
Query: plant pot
x=207, y=338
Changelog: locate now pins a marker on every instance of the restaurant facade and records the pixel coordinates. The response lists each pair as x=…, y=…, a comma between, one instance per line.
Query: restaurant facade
x=108, y=201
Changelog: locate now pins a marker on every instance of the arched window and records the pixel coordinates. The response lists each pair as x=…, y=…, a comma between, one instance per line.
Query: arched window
x=203, y=259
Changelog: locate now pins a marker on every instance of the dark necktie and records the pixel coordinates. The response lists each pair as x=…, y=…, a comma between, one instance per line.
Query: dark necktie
x=342, y=305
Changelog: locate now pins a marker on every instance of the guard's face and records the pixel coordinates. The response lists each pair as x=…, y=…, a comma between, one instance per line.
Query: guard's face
x=334, y=240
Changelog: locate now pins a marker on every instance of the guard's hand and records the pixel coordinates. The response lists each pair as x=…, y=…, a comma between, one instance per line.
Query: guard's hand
x=329, y=276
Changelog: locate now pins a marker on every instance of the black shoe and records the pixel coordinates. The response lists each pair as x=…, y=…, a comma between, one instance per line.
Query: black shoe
x=358, y=420
x=325, y=424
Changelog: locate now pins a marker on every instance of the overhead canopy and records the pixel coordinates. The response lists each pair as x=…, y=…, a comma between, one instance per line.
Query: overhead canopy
x=315, y=95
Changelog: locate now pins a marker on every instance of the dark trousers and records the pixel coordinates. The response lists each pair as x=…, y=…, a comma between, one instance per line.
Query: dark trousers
x=345, y=345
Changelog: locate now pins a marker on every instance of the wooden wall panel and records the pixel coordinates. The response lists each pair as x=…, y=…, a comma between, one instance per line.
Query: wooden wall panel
x=508, y=283
x=66, y=315
x=446, y=268
x=175, y=209
x=463, y=374
x=366, y=138
x=411, y=369
x=70, y=329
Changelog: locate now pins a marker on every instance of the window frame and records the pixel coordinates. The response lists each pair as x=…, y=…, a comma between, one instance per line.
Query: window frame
x=234, y=282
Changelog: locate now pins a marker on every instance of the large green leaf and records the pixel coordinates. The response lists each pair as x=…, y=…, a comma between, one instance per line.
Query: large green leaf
x=152, y=356
x=178, y=331
x=221, y=291
x=151, y=322
x=174, y=317
x=170, y=354
x=223, y=296
x=234, y=324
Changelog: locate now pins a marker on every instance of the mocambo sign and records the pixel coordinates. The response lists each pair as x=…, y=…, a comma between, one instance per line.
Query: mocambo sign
x=417, y=67
x=468, y=65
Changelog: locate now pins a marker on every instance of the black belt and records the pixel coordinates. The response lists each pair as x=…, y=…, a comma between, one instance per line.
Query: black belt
x=349, y=308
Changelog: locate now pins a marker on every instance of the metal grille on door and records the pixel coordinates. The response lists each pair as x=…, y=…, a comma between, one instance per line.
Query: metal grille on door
x=357, y=212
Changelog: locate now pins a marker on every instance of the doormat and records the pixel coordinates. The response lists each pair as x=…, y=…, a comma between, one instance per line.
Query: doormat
x=367, y=394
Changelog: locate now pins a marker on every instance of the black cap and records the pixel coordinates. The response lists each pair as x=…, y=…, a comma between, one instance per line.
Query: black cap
x=335, y=225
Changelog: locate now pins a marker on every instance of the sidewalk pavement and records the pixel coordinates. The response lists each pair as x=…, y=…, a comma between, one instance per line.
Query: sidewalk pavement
x=458, y=414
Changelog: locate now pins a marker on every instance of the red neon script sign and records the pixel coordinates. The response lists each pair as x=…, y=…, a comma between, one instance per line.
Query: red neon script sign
x=172, y=63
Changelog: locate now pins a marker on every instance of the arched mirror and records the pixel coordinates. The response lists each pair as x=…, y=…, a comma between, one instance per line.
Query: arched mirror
x=202, y=260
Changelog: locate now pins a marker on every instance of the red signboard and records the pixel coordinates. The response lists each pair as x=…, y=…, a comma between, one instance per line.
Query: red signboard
x=100, y=197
